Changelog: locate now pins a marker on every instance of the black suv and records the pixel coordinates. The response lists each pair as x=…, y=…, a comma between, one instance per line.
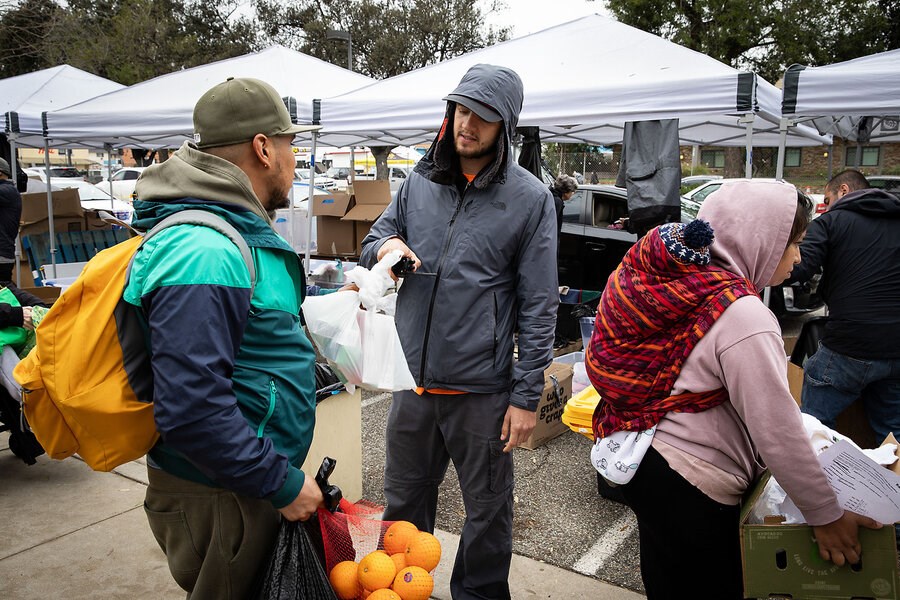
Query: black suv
x=590, y=249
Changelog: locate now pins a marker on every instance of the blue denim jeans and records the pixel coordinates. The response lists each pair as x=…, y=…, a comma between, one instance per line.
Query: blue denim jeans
x=833, y=381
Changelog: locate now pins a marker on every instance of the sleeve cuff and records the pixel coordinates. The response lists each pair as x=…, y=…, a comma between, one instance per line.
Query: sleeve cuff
x=291, y=488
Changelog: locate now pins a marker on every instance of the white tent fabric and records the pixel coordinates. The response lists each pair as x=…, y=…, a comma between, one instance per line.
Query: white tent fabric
x=858, y=100
x=583, y=81
x=158, y=113
x=837, y=96
x=24, y=98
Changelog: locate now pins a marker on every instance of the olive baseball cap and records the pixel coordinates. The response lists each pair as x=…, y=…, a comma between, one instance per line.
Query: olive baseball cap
x=239, y=108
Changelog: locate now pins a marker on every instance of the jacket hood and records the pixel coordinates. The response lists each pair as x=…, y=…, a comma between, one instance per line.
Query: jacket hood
x=501, y=89
x=872, y=202
x=191, y=173
x=752, y=222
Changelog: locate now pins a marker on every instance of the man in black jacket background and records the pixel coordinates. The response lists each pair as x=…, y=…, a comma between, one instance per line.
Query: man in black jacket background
x=10, y=213
x=857, y=246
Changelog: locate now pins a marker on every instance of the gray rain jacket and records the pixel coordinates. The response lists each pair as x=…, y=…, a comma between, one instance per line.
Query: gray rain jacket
x=488, y=252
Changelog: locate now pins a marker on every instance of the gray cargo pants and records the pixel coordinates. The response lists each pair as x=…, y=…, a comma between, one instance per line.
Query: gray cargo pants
x=424, y=433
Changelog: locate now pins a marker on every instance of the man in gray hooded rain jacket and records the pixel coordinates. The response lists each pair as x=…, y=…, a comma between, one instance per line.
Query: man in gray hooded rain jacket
x=482, y=234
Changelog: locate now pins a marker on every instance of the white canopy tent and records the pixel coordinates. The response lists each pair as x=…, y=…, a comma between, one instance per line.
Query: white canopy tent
x=858, y=100
x=24, y=99
x=158, y=113
x=583, y=81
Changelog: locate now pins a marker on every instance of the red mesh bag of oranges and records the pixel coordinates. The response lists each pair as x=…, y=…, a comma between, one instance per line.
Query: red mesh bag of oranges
x=370, y=559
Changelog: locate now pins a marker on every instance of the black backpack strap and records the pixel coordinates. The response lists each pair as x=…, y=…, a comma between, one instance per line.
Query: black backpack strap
x=203, y=218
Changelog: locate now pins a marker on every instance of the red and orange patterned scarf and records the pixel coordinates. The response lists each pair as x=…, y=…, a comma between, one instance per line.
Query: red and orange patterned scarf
x=656, y=306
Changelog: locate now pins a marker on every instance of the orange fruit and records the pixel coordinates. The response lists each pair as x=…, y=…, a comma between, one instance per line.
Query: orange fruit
x=424, y=551
x=398, y=535
x=343, y=578
x=413, y=583
x=384, y=594
x=376, y=571
x=399, y=560
x=364, y=594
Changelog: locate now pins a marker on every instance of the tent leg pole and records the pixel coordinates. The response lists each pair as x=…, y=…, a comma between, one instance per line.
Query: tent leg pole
x=830, y=162
x=52, y=229
x=748, y=165
x=782, y=144
x=309, y=205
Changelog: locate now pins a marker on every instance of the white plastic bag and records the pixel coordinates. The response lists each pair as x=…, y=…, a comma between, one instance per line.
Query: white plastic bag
x=361, y=345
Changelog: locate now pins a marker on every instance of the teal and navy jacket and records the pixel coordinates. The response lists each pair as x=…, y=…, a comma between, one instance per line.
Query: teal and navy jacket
x=233, y=375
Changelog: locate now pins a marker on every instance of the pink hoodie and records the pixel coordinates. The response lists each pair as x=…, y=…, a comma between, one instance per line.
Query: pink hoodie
x=723, y=450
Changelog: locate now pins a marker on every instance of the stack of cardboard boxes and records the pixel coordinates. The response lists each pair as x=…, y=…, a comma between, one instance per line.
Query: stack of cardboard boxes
x=343, y=220
x=67, y=216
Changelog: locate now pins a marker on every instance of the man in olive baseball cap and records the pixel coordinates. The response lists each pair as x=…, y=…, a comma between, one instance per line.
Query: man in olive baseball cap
x=237, y=110
x=226, y=464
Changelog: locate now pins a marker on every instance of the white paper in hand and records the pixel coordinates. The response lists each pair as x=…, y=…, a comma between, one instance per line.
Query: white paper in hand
x=861, y=485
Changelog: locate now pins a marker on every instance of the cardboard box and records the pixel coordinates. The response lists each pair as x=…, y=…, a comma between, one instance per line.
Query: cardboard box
x=783, y=561
x=335, y=204
x=795, y=381
x=46, y=293
x=338, y=434
x=370, y=198
x=92, y=221
x=60, y=223
x=66, y=203
x=551, y=406
x=333, y=236
x=853, y=422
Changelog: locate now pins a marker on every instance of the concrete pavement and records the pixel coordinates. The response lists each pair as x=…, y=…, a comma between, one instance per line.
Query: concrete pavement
x=68, y=532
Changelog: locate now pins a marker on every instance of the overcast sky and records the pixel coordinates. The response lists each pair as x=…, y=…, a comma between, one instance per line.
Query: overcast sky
x=529, y=16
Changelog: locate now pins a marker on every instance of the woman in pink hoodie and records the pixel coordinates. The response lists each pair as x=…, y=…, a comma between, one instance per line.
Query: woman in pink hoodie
x=695, y=405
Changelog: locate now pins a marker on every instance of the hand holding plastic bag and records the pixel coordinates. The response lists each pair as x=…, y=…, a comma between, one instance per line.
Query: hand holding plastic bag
x=362, y=345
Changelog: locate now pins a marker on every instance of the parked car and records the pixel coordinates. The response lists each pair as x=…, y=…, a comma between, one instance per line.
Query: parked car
x=123, y=182
x=888, y=183
x=56, y=172
x=591, y=246
x=93, y=198
x=322, y=181
x=692, y=181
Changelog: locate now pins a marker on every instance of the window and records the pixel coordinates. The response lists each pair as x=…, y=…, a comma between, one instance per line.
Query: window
x=574, y=208
x=119, y=176
x=713, y=159
x=608, y=209
x=129, y=175
x=871, y=156
x=700, y=195
x=792, y=157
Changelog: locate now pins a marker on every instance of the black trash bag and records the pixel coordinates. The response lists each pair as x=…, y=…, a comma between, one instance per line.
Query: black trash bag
x=327, y=383
x=294, y=571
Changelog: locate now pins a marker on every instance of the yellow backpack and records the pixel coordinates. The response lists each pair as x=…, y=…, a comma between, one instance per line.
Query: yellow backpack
x=77, y=394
